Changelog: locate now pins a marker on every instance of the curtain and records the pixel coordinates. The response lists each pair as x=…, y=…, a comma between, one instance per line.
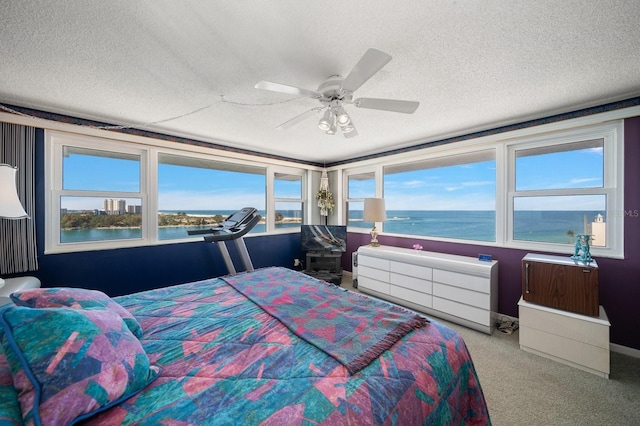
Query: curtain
x=18, y=251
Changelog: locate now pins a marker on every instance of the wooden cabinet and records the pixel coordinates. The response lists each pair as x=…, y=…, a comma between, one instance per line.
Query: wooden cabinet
x=561, y=283
x=459, y=289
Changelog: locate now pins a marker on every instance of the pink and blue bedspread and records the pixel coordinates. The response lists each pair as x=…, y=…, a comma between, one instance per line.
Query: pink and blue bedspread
x=336, y=358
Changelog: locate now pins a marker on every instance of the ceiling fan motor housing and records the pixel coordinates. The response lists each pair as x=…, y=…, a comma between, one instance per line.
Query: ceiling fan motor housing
x=331, y=90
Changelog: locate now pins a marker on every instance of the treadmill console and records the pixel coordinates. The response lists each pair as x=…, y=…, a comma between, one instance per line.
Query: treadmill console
x=234, y=226
x=240, y=218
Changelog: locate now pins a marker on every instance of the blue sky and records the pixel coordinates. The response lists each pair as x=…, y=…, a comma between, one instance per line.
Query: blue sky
x=469, y=186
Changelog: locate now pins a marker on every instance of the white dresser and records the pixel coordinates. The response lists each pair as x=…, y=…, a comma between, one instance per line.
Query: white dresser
x=577, y=340
x=459, y=289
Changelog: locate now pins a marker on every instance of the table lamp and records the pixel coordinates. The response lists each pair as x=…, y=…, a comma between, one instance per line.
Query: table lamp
x=10, y=206
x=374, y=211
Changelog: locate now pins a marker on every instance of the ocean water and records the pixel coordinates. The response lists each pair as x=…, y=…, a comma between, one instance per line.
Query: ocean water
x=546, y=226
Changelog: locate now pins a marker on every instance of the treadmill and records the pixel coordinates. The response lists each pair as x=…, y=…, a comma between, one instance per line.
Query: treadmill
x=233, y=229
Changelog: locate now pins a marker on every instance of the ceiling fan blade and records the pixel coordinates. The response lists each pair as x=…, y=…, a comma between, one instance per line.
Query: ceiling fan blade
x=372, y=61
x=298, y=119
x=407, y=107
x=291, y=90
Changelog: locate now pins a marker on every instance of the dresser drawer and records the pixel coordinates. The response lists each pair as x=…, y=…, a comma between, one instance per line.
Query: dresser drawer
x=578, y=354
x=371, y=284
x=373, y=262
x=460, y=310
x=376, y=274
x=457, y=279
x=412, y=296
x=421, y=272
x=583, y=329
x=457, y=294
x=412, y=283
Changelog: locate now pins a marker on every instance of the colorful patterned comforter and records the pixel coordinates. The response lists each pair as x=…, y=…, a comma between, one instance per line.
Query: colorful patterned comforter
x=226, y=361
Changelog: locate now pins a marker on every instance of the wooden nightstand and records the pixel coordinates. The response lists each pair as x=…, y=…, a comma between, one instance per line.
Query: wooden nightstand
x=16, y=284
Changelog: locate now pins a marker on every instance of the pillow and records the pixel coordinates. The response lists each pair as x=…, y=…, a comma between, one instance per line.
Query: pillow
x=69, y=364
x=77, y=298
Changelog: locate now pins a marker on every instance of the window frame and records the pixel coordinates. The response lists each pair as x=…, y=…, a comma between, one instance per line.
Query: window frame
x=505, y=145
x=272, y=199
x=377, y=177
x=612, y=134
x=453, y=156
x=55, y=144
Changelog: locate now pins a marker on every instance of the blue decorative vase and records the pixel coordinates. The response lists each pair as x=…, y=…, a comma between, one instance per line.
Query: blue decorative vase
x=581, y=250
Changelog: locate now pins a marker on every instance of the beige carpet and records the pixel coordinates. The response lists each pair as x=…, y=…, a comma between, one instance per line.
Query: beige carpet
x=526, y=389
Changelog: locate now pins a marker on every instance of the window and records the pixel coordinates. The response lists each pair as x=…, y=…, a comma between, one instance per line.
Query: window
x=558, y=218
x=534, y=189
x=288, y=199
x=105, y=193
x=85, y=219
x=566, y=185
x=97, y=195
x=112, y=216
x=196, y=193
x=446, y=197
x=360, y=185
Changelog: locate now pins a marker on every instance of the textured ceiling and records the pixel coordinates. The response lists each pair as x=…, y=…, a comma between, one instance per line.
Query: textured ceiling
x=188, y=68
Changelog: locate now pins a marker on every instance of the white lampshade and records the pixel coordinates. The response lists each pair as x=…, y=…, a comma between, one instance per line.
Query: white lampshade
x=10, y=206
x=374, y=210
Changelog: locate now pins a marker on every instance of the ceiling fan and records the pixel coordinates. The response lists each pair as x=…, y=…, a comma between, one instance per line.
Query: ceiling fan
x=337, y=91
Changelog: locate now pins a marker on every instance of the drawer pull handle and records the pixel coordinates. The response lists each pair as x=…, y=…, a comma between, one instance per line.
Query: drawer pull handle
x=586, y=270
x=526, y=278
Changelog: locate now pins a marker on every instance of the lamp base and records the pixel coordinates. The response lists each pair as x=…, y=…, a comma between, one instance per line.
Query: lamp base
x=374, y=237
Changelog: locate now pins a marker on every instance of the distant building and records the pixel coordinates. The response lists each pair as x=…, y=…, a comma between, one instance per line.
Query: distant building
x=114, y=207
x=598, y=232
x=134, y=209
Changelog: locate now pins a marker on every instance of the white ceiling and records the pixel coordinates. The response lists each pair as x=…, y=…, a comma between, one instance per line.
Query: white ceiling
x=188, y=68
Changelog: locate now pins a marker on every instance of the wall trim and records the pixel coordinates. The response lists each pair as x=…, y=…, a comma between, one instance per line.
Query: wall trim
x=624, y=350
x=613, y=110
x=584, y=117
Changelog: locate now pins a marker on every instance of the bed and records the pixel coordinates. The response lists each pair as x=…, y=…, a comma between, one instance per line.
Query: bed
x=267, y=347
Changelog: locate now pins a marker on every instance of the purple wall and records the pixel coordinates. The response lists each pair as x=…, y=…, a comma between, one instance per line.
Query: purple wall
x=619, y=279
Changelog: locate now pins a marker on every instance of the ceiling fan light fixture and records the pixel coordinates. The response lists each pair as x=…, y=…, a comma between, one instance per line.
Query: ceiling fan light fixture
x=342, y=116
x=325, y=122
x=332, y=125
x=347, y=128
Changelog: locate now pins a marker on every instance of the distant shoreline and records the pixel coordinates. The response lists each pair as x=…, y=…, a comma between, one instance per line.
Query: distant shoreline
x=262, y=221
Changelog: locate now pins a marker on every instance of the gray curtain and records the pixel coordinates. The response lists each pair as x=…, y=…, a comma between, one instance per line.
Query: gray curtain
x=18, y=251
